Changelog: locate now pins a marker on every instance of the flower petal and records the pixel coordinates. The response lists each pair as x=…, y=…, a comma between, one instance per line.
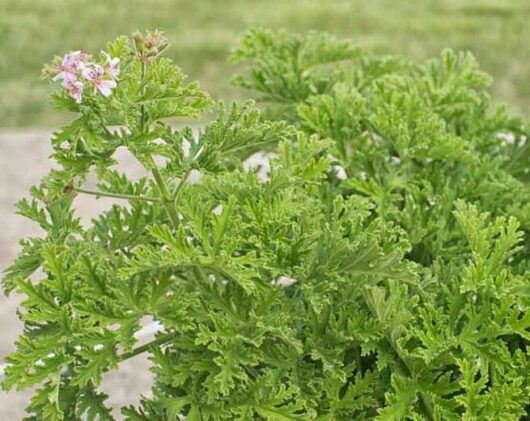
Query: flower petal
x=89, y=74
x=106, y=87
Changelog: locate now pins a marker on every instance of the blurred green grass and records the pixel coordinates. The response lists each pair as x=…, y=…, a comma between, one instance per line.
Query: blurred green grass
x=203, y=31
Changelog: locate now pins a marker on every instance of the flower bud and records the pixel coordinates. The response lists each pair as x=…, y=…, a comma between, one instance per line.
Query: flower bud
x=155, y=41
x=48, y=72
x=150, y=45
x=138, y=41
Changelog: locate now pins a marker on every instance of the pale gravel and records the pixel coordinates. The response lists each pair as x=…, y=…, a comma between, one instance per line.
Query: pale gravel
x=23, y=161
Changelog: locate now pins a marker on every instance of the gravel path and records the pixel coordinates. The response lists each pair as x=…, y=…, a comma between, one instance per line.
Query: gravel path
x=23, y=161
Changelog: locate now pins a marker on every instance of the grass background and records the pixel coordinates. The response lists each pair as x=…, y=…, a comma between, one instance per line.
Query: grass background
x=203, y=31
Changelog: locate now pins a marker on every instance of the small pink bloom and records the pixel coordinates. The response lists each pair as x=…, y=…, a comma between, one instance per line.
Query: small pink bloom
x=75, y=89
x=67, y=79
x=95, y=76
x=72, y=65
x=63, y=76
x=112, y=65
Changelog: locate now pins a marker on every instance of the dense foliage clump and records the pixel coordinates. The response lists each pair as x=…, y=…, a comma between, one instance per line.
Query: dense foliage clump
x=377, y=269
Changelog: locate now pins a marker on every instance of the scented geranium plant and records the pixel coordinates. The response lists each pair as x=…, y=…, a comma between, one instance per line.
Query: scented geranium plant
x=242, y=272
x=424, y=145
x=378, y=268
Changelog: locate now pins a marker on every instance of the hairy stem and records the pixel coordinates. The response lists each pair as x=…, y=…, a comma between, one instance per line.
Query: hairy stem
x=169, y=203
x=179, y=187
x=118, y=195
x=141, y=123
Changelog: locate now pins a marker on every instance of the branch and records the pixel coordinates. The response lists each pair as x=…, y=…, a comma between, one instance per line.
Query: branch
x=168, y=202
x=180, y=185
x=118, y=195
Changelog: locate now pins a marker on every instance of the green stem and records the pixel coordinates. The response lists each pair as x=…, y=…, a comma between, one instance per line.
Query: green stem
x=169, y=203
x=118, y=195
x=161, y=340
x=160, y=182
x=141, y=123
x=181, y=184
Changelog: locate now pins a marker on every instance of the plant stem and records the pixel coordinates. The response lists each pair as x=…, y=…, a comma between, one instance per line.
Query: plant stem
x=179, y=187
x=169, y=203
x=161, y=340
x=141, y=123
x=160, y=182
x=118, y=195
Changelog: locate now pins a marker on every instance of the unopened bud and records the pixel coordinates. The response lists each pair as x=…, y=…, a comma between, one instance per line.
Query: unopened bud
x=48, y=72
x=150, y=45
x=155, y=41
x=138, y=41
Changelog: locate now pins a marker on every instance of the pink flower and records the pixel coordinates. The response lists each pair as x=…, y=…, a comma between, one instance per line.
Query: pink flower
x=95, y=76
x=76, y=67
x=75, y=89
x=71, y=66
x=112, y=65
x=67, y=79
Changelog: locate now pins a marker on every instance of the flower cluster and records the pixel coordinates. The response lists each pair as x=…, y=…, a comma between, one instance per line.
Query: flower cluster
x=76, y=69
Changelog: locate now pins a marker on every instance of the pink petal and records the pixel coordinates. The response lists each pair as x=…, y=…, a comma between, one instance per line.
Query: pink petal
x=77, y=96
x=68, y=79
x=76, y=91
x=89, y=74
x=110, y=83
x=98, y=70
x=106, y=87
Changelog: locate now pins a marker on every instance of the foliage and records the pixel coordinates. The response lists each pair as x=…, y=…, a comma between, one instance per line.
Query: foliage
x=412, y=138
x=422, y=143
x=378, y=270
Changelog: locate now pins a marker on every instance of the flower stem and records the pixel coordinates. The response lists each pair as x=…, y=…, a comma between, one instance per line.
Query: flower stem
x=169, y=203
x=141, y=123
x=118, y=195
x=160, y=182
x=181, y=184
